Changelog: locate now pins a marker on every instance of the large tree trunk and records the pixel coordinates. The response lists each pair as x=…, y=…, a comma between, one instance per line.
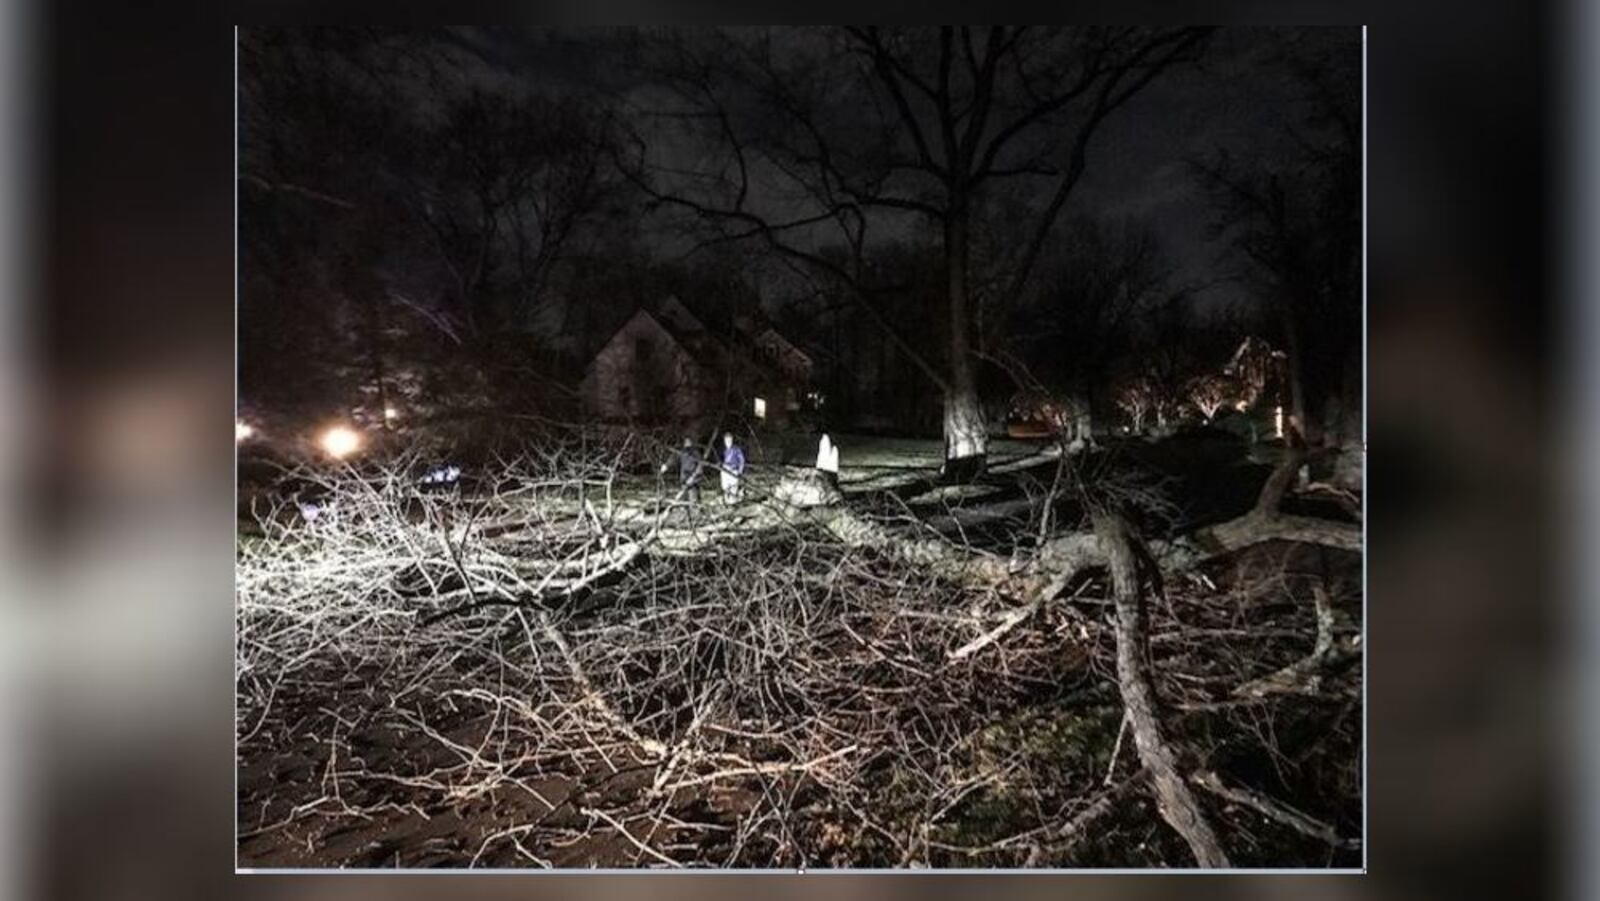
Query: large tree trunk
x=1300, y=417
x=966, y=431
x=1344, y=428
x=966, y=434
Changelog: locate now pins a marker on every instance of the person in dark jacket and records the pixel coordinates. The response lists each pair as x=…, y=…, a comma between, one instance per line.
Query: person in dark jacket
x=691, y=470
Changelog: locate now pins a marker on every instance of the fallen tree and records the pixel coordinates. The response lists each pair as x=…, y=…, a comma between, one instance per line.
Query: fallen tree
x=1176, y=803
x=572, y=649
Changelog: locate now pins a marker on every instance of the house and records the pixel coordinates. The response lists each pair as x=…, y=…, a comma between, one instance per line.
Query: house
x=666, y=365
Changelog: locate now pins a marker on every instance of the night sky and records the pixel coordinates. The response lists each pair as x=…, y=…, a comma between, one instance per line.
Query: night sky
x=1235, y=100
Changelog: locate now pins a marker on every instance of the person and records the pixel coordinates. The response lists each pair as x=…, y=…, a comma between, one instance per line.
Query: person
x=732, y=469
x=690, y=470
x=828, y=460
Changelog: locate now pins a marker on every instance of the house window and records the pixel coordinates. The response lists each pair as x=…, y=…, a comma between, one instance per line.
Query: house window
x=641, y=349
x=761, y=408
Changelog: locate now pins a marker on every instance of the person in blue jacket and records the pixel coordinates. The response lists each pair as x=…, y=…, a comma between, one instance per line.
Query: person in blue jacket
x=733, y=467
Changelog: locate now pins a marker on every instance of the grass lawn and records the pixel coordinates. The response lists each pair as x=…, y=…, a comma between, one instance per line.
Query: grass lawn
x=877, y=452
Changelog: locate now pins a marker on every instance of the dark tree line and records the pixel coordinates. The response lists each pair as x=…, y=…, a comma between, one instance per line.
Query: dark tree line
x=419, y=219
x=1292, y=220
x=401, y=224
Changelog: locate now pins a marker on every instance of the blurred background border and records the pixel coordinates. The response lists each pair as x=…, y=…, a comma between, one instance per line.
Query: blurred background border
x=118, y=531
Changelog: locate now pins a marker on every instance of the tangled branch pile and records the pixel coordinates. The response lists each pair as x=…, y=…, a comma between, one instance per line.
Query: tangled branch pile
x=564, y=665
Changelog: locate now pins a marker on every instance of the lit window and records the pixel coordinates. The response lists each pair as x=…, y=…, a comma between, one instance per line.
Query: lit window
x=761, y=408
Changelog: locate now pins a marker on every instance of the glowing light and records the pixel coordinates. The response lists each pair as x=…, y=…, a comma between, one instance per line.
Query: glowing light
x=1277, y=421
x=242, y=431
x=761, y=408
x=340, y=441
x=391, y=414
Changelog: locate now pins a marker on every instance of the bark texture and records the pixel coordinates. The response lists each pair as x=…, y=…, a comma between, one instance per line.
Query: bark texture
x=1176, y=802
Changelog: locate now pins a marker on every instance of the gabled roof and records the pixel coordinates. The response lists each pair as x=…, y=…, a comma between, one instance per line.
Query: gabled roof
x=677, y=313
x=628, y=323
x=680, y=323
x=772, y=331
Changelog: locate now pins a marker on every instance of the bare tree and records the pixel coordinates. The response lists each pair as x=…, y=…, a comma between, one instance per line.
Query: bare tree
x=1168, y=354
x=860, y=132
x=1135, y=393
x=312, y=311
x=1293, y=219
x=506, y=185
x=399, y=202
x=1091, y=293
x=1210, y=392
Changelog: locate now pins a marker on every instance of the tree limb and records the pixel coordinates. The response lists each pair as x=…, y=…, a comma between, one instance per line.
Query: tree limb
x=1176, y=803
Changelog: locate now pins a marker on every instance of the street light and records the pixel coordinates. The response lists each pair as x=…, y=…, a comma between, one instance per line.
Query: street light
x=340, y=441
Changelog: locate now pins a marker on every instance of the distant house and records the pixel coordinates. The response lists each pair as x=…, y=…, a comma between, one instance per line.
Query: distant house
x=665, y=365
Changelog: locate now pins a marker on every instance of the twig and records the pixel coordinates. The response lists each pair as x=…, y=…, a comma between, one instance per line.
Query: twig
x=1274, y=810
